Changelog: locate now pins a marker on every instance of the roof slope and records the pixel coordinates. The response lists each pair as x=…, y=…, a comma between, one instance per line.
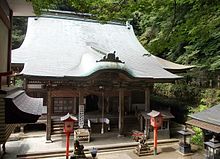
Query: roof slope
x=20, y=108
x=171, y=66
x=210, y=115
x=60, y=47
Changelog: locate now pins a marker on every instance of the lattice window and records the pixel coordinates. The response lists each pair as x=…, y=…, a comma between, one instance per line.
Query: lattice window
x=63, y=105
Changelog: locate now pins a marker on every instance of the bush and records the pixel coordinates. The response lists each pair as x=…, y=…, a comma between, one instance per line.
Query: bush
x=181, y=91
x=197, y=138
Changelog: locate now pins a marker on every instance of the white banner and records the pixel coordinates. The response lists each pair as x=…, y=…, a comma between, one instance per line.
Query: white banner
x=81, y=115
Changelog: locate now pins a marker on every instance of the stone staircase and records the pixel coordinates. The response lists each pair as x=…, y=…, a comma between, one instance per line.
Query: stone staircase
x=57, y=127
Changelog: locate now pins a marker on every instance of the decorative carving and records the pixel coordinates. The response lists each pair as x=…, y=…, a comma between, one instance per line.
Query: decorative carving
x=110, y=58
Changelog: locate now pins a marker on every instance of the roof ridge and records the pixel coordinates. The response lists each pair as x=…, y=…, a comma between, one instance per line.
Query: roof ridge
x=75, y=16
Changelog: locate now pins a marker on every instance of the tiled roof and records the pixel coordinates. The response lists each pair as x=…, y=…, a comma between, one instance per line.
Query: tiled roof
x=59, y=47
x=204, y=125
x=208, y=119
x=25, y=103
x=211, y=115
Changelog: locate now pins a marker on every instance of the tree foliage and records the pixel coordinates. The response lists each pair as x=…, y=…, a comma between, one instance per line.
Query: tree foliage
x=18, y=32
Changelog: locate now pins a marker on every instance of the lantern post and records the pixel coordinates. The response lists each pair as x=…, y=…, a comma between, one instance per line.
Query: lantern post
x=69, y=121
x=156, y=120
x=184, y=146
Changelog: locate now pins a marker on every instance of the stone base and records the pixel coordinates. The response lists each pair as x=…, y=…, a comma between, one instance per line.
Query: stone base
x=185, y=148
x=185, y=154
x=121, y=136
x=48, y=141
x=143, y=153
x=82, y=156
x=143, y=149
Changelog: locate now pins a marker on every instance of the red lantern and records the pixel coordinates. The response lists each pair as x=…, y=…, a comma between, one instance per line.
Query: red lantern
x=69, y=121
x=156, y=120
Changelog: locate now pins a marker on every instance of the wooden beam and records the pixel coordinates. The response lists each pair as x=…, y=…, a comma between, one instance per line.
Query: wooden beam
x=5, y=73
x=121, y=112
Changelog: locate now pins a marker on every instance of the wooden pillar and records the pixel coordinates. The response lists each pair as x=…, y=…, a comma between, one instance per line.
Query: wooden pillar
x=49, y=111
x=75, y=106
x=147, y=99
x=107, y=104
x=129, y=104
x=147, y=109
x=103, y=111
x=25, y=84
x=99, y=102
x=141, y=123
x=9, y=46
x=81, y=100
x=121, y=112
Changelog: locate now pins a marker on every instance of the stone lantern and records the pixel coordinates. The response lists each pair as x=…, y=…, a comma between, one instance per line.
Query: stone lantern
x=212, y=149
x=184, y=145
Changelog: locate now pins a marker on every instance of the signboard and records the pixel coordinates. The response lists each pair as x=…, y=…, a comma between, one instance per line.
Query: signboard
x=81, y=115
x=34, y=86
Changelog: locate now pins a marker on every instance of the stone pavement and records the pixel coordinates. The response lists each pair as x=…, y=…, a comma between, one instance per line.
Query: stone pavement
x=35, y=143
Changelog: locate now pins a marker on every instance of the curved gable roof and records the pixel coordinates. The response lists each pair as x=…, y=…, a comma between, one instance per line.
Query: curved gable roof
x=59, y=47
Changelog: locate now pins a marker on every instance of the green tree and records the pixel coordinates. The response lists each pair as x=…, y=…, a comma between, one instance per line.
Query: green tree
x=19, y=31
